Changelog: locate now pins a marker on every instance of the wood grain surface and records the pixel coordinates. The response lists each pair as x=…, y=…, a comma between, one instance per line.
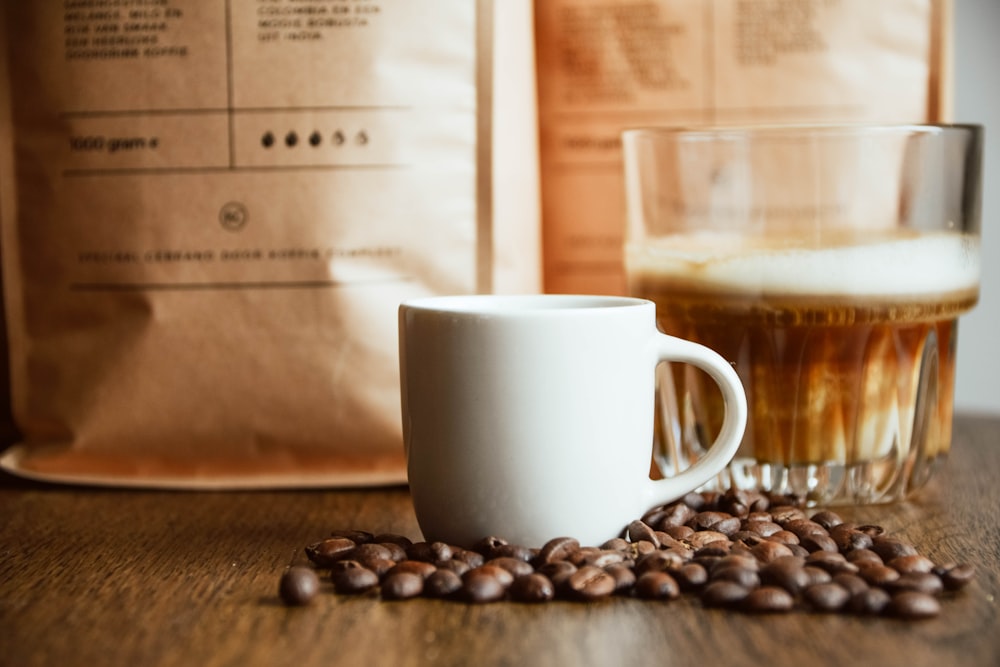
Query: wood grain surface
x=114, y=577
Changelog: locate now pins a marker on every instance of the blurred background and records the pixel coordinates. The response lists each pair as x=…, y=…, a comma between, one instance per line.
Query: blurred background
x=977, y=100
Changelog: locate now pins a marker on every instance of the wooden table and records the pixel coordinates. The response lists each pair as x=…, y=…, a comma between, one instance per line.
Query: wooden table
x=113, y=577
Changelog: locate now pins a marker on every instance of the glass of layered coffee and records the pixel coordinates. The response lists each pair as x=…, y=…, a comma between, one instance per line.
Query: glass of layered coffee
x=829, y=265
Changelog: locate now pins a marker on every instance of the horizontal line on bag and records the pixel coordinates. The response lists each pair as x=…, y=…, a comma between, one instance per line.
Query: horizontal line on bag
x=225, y=111
x=223, y=286
x=154, y=171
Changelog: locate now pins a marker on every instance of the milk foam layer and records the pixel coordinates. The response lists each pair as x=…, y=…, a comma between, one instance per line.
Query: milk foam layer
x=904, y=265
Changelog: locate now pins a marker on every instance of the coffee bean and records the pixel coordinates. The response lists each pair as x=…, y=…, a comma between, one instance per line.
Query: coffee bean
x=614, y=544
x=469, y=557
x=819, y=542
x=849, y=538
x=515, y=566
x=658, y=561
x=679, y=532
x=488, y=545
x=558, y=548
x=700, y=538
x=832, y=562
x=518, y=551
x=557, y=571
x=454, y=565
x=889, y=548
x=787, y=573
x=298, y=585
x=804, y=528
x=419, y=567
x=764, y=528
x=785, y=537
x=392, y=538
x=956, y=577
x=768, y=599
x=402, y=586
x=912, y=563
x=723, y=594
x=504, y=577
x=532, y=587
x=326, y=552
x=914, y=605
x=640, y=531
x=352, y=578
x=690, y=576
x=768, y=551
x=442, y=583
x=368, y=553
x=429, y=552
x=861, y=556
x=827, y=596
x=870, y=601
x=921, y=582
x=827, y=519
x=356, y=536
x=784, y=513
x=656, y=586
x=878, y=575
x=483, y=585
x=745, y=577
x=623, y=575
x=850, y=582
x=590, y=583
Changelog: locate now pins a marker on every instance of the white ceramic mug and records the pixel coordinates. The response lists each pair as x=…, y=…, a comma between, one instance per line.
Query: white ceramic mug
x=531, y=417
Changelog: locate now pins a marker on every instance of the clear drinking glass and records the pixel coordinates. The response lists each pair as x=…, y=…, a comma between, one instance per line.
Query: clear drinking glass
x=829, y=265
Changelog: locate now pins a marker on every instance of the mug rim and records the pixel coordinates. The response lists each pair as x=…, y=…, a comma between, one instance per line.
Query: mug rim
x=522, y=304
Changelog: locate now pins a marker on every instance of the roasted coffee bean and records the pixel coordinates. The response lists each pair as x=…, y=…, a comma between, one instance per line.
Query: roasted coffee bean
x=871, y=530
x=442, y=583
x=326, y=552
x=827, y=519
x=352, y=578
x=955, y=577
x=700, y=538
x=764, y=528
x=787, y=573
x=557, y=571
x=816, y=575
x=768, y=599
x=298, y=586
x=532, y=587
x=785, y=537
x=422, y=568
x=623, y=575
x=850, y=539
x=481, y=584
x=515, y=566
x=785, y=513
x=852, y=583
x=878, y=575
x=679, y=532
x=518, y=551
x=889, y=548
x=370, y=552
x=717, y=549
x=690, y=576
x=676, y=514
x=862, y=556
x=656, y=586
x=402, y=586
x=819, y=542
x=717, y=521
x=768, y=551
x=603, y=558
x=826, y=597
x=723, y=594
x=870, y=601
x=459, y=567
x=392, y=538
x=658, y=561
x=803, y=528
x=746, y=577
x=732, y=560
x=615, y=544
x=559, y=548
x=356, y=536
x=921, y=582
x=396, y=552
x=467, y=556
x=640, y=531
x=500, y=574
x=832, y=562
x=913, y=563
x=913, y=605
x=429, y=552
x=488, y=545
x=590, y=583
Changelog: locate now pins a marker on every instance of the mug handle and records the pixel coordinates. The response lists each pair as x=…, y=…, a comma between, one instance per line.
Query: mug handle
x=677, y=350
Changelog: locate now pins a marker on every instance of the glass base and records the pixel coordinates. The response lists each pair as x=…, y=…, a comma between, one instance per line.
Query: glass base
x=830, y=484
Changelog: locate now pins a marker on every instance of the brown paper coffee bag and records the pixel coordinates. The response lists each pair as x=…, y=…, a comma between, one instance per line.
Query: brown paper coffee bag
x=211, y=211
x=604, y=66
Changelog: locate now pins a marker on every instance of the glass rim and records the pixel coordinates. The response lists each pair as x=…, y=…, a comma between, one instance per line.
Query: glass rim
x=798, y=130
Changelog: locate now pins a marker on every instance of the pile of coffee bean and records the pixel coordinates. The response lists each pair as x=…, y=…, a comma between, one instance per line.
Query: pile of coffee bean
x=735, y=550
